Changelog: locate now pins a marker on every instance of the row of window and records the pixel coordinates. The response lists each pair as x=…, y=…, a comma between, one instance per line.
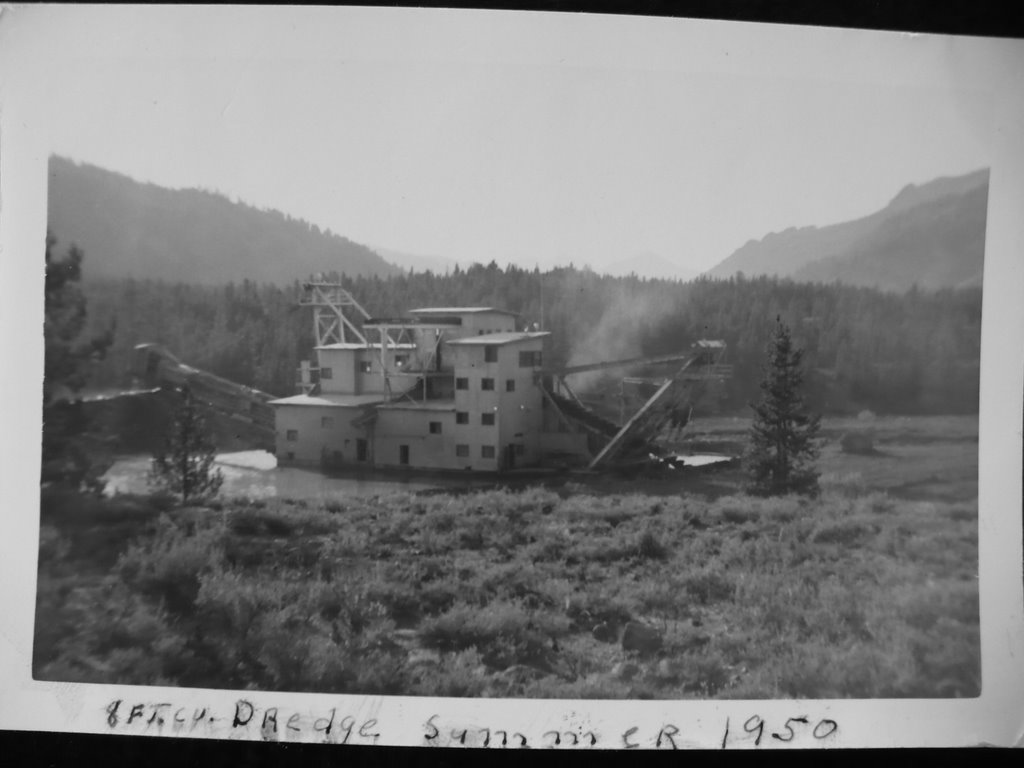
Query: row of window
x=486, y=451
x=365, y=366
x=486, y=385
x=461, y=450
x=461, y=417
x=531, y=359
x=528, y=359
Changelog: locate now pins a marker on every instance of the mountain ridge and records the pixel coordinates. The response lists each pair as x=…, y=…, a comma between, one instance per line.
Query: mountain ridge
x=930, y=235
x=130, y=228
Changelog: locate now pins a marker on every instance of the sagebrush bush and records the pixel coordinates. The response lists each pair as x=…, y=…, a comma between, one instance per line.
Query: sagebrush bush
x=170, y=565
x=650, y=547
x=456, y=674
x=841, y=533
x=504, y=633
x=709, y=586
x=588, y=609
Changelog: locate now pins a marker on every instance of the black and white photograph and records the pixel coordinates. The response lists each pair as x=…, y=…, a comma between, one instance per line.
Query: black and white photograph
x=513, y=360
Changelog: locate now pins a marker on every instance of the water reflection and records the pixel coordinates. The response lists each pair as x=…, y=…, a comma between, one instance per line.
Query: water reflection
x=255, y=475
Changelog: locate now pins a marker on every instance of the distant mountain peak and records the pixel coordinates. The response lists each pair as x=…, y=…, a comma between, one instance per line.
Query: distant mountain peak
x=931, y=235
x=944, y=186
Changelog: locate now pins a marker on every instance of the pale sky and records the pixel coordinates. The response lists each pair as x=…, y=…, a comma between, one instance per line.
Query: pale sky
x=520, y=137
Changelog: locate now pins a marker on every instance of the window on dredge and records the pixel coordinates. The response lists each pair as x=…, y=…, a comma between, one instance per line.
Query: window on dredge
x=462, y=383
x=365, y=366
x=326, y=373
x=327, y=422
x=291, y=435
x=510, y=385
x=462, y=417
x=435, y=427
x=487, y=385
x=487, y=419
x=487, y=451
x=530, y=359
x=490, y=354
x=462, y=451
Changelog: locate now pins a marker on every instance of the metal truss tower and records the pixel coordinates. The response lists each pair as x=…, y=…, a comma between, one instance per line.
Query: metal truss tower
x=330, y=323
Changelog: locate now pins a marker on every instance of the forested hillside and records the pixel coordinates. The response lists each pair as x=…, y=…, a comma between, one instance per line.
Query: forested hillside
x=916, y=352
x=130, y=229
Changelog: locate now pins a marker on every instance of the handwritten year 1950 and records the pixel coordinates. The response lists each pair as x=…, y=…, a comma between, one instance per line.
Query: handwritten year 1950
x=755, y=729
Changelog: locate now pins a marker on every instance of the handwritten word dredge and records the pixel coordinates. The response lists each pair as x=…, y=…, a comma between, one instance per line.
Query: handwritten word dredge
x=270, y=723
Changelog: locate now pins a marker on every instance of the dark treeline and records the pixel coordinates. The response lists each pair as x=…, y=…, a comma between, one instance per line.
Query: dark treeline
x=916, y=352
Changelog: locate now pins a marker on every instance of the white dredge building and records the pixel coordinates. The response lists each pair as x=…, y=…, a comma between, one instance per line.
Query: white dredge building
x=446, y=388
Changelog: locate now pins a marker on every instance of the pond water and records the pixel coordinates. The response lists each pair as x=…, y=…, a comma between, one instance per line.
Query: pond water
x=255, y=475
x=700, y=460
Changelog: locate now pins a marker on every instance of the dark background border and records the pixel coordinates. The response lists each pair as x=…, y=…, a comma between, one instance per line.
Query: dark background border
x=982, y=18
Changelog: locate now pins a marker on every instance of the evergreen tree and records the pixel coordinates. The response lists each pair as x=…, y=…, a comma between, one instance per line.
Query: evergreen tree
x=72, y=452
x=185, y=464
x=782, y=440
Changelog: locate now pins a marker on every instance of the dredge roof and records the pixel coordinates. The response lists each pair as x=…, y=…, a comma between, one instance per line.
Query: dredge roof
x=360, y=345
x=508, y=337
x=459, y=311
x=337, y=401
x=447, y=404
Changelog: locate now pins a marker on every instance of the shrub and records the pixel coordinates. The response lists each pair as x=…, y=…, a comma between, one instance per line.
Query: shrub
x=709, y=587
x=549, y=550
x=841, y=533
x=112, y=635
x=52, y=545
x=472, y=536
x=650, y=548
x=591, y=687
x=169, y=566
x=739, y=515
x=948, y=660
x=596, y=550
x=457, y=674
x=705, y=675
x=844, y=484
x=858, y=442
x=280, y=520
x=878, y=503
x=587, y=610
x=514, y=582
x=503, y=633
x=963, y=514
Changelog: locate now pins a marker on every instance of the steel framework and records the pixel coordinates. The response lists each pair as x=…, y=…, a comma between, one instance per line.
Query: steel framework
x=330, y=323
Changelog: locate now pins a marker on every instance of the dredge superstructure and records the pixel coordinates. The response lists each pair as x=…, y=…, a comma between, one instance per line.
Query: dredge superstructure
x=460, y=388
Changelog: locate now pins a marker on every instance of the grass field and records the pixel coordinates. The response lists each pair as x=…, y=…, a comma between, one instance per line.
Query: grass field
x=669, y=586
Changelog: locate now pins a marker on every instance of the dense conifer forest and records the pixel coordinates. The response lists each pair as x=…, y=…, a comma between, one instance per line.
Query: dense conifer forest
x=915, y=352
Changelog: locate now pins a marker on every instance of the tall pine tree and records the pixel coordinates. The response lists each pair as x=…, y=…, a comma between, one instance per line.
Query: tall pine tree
x=74, y=454
x=185, y=464
x=782, y=438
